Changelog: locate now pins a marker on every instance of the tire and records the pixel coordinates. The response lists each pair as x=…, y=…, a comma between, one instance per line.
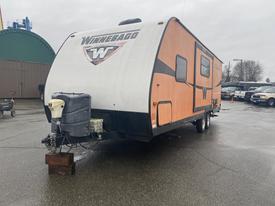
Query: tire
x=207, y=121
x=271, y=102
x=200, y=125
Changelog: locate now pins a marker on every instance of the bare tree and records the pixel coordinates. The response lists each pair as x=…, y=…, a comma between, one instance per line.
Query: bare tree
x=226, y=73
x=248, y=71
x=267, y=80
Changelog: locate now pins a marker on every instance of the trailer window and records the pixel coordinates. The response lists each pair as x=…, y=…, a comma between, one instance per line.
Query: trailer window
x=181, y=69
x=205, y=66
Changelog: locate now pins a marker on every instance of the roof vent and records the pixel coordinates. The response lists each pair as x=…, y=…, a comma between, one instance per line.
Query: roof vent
x=130, y=21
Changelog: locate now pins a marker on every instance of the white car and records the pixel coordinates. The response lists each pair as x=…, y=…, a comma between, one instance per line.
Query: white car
x=240, y=94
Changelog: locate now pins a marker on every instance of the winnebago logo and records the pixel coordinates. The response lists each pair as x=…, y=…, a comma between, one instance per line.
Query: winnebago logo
x=110, y=44
x=98, y=54
x=105, y=38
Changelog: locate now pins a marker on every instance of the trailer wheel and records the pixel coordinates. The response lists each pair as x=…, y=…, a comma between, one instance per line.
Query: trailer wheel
x=200, y=125
x=207, y=121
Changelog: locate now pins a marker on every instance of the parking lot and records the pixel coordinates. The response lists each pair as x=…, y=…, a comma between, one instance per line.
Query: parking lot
x=233, y=163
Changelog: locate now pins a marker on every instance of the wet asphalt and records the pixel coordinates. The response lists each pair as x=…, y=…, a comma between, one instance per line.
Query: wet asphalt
x=233, y=163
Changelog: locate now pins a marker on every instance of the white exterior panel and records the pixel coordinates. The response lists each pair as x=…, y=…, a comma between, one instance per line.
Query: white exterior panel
x=122, y=81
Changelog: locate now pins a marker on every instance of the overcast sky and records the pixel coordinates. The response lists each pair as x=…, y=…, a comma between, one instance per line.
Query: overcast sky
x=230, y=28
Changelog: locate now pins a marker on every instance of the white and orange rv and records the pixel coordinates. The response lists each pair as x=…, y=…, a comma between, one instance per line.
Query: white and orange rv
x=144, y=79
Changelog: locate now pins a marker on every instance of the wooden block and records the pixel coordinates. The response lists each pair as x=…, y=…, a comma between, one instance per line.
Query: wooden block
x=60, y=159
x=61, y=170
x=60, y=163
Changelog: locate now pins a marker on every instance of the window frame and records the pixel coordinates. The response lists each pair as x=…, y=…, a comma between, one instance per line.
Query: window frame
x=181, y=57
x=202, y=74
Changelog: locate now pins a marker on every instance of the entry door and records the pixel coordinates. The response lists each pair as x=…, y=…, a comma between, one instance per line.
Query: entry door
x=203, y=77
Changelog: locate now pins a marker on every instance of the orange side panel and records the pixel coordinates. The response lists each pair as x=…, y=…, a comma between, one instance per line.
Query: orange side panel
x=178, y=41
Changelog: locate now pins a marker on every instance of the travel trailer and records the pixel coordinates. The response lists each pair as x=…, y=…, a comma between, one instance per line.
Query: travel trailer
x=136, y=80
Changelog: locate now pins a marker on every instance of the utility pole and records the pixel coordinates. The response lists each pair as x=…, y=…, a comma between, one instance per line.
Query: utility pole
x=228, y=78
x=1, y=21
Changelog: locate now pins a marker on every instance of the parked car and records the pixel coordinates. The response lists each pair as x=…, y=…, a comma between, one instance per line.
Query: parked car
x=266, y=97
x=244, y=87
x=240, y=94
x=228, y=92
x=248, y=94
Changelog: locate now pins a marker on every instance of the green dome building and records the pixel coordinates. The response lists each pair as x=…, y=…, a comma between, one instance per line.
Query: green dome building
x=25, y=61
